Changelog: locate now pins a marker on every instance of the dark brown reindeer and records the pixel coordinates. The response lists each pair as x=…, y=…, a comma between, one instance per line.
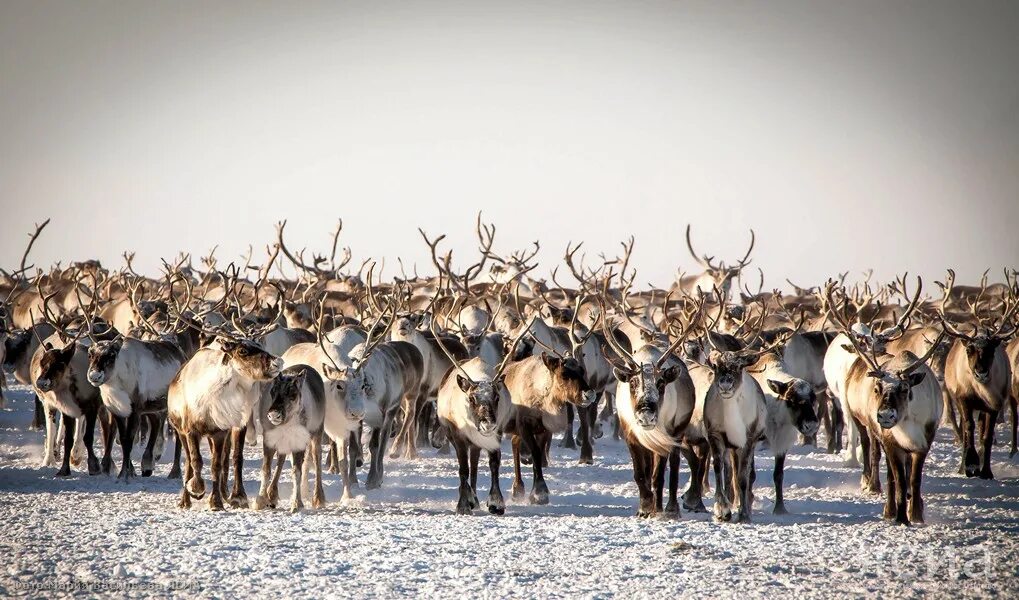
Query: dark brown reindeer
x=978, y=377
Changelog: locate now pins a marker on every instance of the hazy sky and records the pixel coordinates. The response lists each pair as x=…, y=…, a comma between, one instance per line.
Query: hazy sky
x=848, y=134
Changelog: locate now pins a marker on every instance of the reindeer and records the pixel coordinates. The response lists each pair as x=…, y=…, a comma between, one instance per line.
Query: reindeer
x=714, y=275
x=978, y=378
x=539, y=387
x=730, y=416
x=791, y=405
x=896, y=404
x=213, y=395
x=133, y=377
x=654, y=403
x=474, y=407
x=293, y=415
x=59, y=368
x=329, y=356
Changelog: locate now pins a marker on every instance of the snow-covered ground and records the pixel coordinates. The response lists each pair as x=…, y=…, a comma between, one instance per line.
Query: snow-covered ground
x=64, y=535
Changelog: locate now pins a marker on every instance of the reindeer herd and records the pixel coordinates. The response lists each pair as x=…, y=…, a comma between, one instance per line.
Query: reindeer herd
x=314, y=365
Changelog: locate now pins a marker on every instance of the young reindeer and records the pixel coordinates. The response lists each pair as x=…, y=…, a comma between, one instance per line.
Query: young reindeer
x=133, y=377
x=730, y=414
x=292, y=415
x=898, y=405
x=978, y=378
x=474, y=407
x=213, y=395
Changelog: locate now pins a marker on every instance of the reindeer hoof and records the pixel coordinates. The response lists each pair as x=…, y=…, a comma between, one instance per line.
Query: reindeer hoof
x=585, y=460
x=671, y=510
x=146, y=472
x=196, y=487
x=318, y=502
x=260, y=503
x=64, y=472
x=296, y=508
x=517, y=492
x=723, y=515
x=238, y=501
x=185, y=501
x=463, y=507
x=174, y=474
x=539, y=497
x=372, y=484
x=93, y=466
x=780, y=510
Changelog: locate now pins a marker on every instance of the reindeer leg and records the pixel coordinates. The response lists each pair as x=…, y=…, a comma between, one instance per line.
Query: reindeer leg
x=297, y=458
x=175, y=467
x=584, y=434
x=642, y=473
x=990, y=418
x=693, y=496
x=69, y=426
x=722, y=509
x=90, y=438
x=274, y=483
x=38, y=415
x=475, y=454
x=970, y=460
x=672, y=506
x=129, y=427
x=262, y=499
x=464, y=504
x=1012, y=403
x=218, y=449
x=318, y=499
x=333, y=459
x=78, y=453
x=194, y=483
x=658, y=466
x=350, y=483
x=915, y=479
x=568, y=441
x=185, y=497
x=50, y=441
x=517, y=490
x=496, y=504
x=953, y=417
x=108, y=429
x=778, y=476
x=148, y=460
x=238, y=496
x=539, y=489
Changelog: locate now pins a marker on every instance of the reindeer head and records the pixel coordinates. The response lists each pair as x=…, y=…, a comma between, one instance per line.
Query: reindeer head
x=349, y=384
x=482, y=402
x=647, y=390
x=54, y=366
x=285, y=395
x=987, y=334
x=407, y=323
x=799, y=397
x=727, y=370
x=894, y=389
x=250, y=359
x=102, y=358
x=718, y=274
x=569, y=381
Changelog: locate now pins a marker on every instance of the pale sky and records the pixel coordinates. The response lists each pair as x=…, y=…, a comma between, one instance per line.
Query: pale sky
x=848, y=134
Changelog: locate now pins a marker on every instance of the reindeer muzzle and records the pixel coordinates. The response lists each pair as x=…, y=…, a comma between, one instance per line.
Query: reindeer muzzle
x=44, y=384
x=887, y=418
x=96, y=378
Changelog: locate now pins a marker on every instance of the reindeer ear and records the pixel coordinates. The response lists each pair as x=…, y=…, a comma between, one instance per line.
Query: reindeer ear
x=49, y=346
x=499, y=381
x=670, y=374
x=622, y=375
x=916, y=377
x=551, y=362
x=779, y=387
x=849, y=348
x=464, y=383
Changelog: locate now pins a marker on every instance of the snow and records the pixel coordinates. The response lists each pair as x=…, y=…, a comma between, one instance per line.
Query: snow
x=64, y=535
